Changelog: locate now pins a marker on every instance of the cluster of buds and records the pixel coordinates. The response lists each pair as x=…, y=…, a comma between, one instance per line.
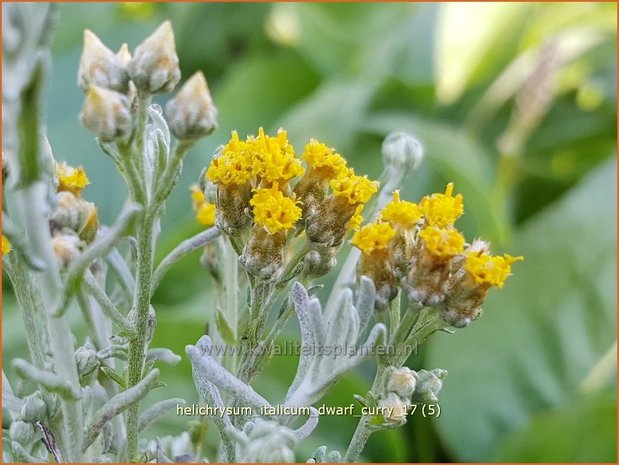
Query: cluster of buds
x=255, y=194
x=74, y=222
x=113, y=82
x=416, y=247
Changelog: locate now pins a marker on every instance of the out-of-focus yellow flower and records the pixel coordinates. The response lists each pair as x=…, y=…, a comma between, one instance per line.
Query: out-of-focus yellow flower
x=488, y=270
x=274, y=211
x=71, y=179
x=6, y=245
x=442, y=209
x=401, y=213
x=442, y=243
x=355, y=189
x=205, y=211
x=373, y=237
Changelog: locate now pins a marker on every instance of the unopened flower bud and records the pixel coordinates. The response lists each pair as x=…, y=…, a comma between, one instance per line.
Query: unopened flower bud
x=192, y=114
x=86, y=360
x=402, y=381
x=76, y=214
x=33, y=409
x=107, y=114
x=66, y=247
x=267, y=442
x=99, y=66
x=21, y=432
x=402, y=151
x=124, y=55
x=154, y=66
x=429, y=384
x=395, y=410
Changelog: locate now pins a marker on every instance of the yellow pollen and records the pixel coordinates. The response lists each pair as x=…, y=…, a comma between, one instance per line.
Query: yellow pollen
x=71, y=179
x=373, y=237
x=356, y=189
x=442, y=243
x=6, y=245
x=401, y=213
x=273, y=210
x=442, y=209
x=488, y=270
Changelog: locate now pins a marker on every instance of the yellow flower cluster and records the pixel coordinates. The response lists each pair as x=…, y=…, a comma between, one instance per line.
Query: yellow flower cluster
x=205, y=211
x=323, y=160
x=373, y=237
x=401, y=213
x=6, y=245
x=71, y=179
x=442, y=209
x=355, y=189
x=273, y=210
x=442, y=243
x=489, y=270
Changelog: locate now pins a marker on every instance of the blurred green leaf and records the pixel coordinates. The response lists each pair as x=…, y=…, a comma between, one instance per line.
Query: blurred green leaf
x=541, y=335
x=580, y=431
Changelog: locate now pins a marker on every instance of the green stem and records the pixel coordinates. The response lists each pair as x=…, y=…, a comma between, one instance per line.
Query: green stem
x=231, y=289
x=137, y=345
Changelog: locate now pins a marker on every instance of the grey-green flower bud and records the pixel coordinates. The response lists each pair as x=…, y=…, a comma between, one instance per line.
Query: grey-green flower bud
x=402, y=151
x=99, y=66
x=268, y=442
x=86, y=360
x=394, y=408
x=429, y=384
x=192, y=114
x=107, y=114
x=22, y=432
x=154, y=66
x=33, y=408
x=402, y=381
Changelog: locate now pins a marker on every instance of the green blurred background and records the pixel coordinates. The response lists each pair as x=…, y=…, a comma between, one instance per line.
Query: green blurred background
x=515, y=103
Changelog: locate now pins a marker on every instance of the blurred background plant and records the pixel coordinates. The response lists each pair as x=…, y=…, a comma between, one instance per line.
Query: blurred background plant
x=515, y=103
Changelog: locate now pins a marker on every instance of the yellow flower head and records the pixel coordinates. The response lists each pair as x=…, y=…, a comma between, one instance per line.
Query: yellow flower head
x=355, y=222
x=71, y=179
x=205, y=211
x=488, y=270
x=233, y=166
x=401, y=213
x=323, y=159
x=356, y=189
x=273, y=210
x=442, y=243
x=274, y=160
x=373, y=237
x=442, y=209
x=6, y=245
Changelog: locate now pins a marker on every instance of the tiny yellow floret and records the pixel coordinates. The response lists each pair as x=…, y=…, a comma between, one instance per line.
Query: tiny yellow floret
x=6, y=245
x=488, y=270
x=205, y=211
x=233, y=166
x=442, y=209
x=373, y=237
x=355, y=222
x=324, y=160
x=71, y=179
x=401, y=213
x=442, y=243
x=274, y=211
x=356, y=189
x=273, y=158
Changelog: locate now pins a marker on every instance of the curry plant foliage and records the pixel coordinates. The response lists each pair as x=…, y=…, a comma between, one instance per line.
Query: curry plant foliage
x=275, y=219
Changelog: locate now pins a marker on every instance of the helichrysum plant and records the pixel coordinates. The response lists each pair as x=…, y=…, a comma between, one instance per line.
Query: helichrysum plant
x=275, y=220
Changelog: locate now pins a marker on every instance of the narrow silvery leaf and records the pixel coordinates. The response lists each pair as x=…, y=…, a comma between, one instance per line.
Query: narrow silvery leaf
x=301, y=302
x=338, y=322
x=122, y=272
x=50, y=381
x=314, y=312
x=221, y=377
x=164, y=355
x=118, y=404
x=306, y=429
x=156, y=411
x=366, y=295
